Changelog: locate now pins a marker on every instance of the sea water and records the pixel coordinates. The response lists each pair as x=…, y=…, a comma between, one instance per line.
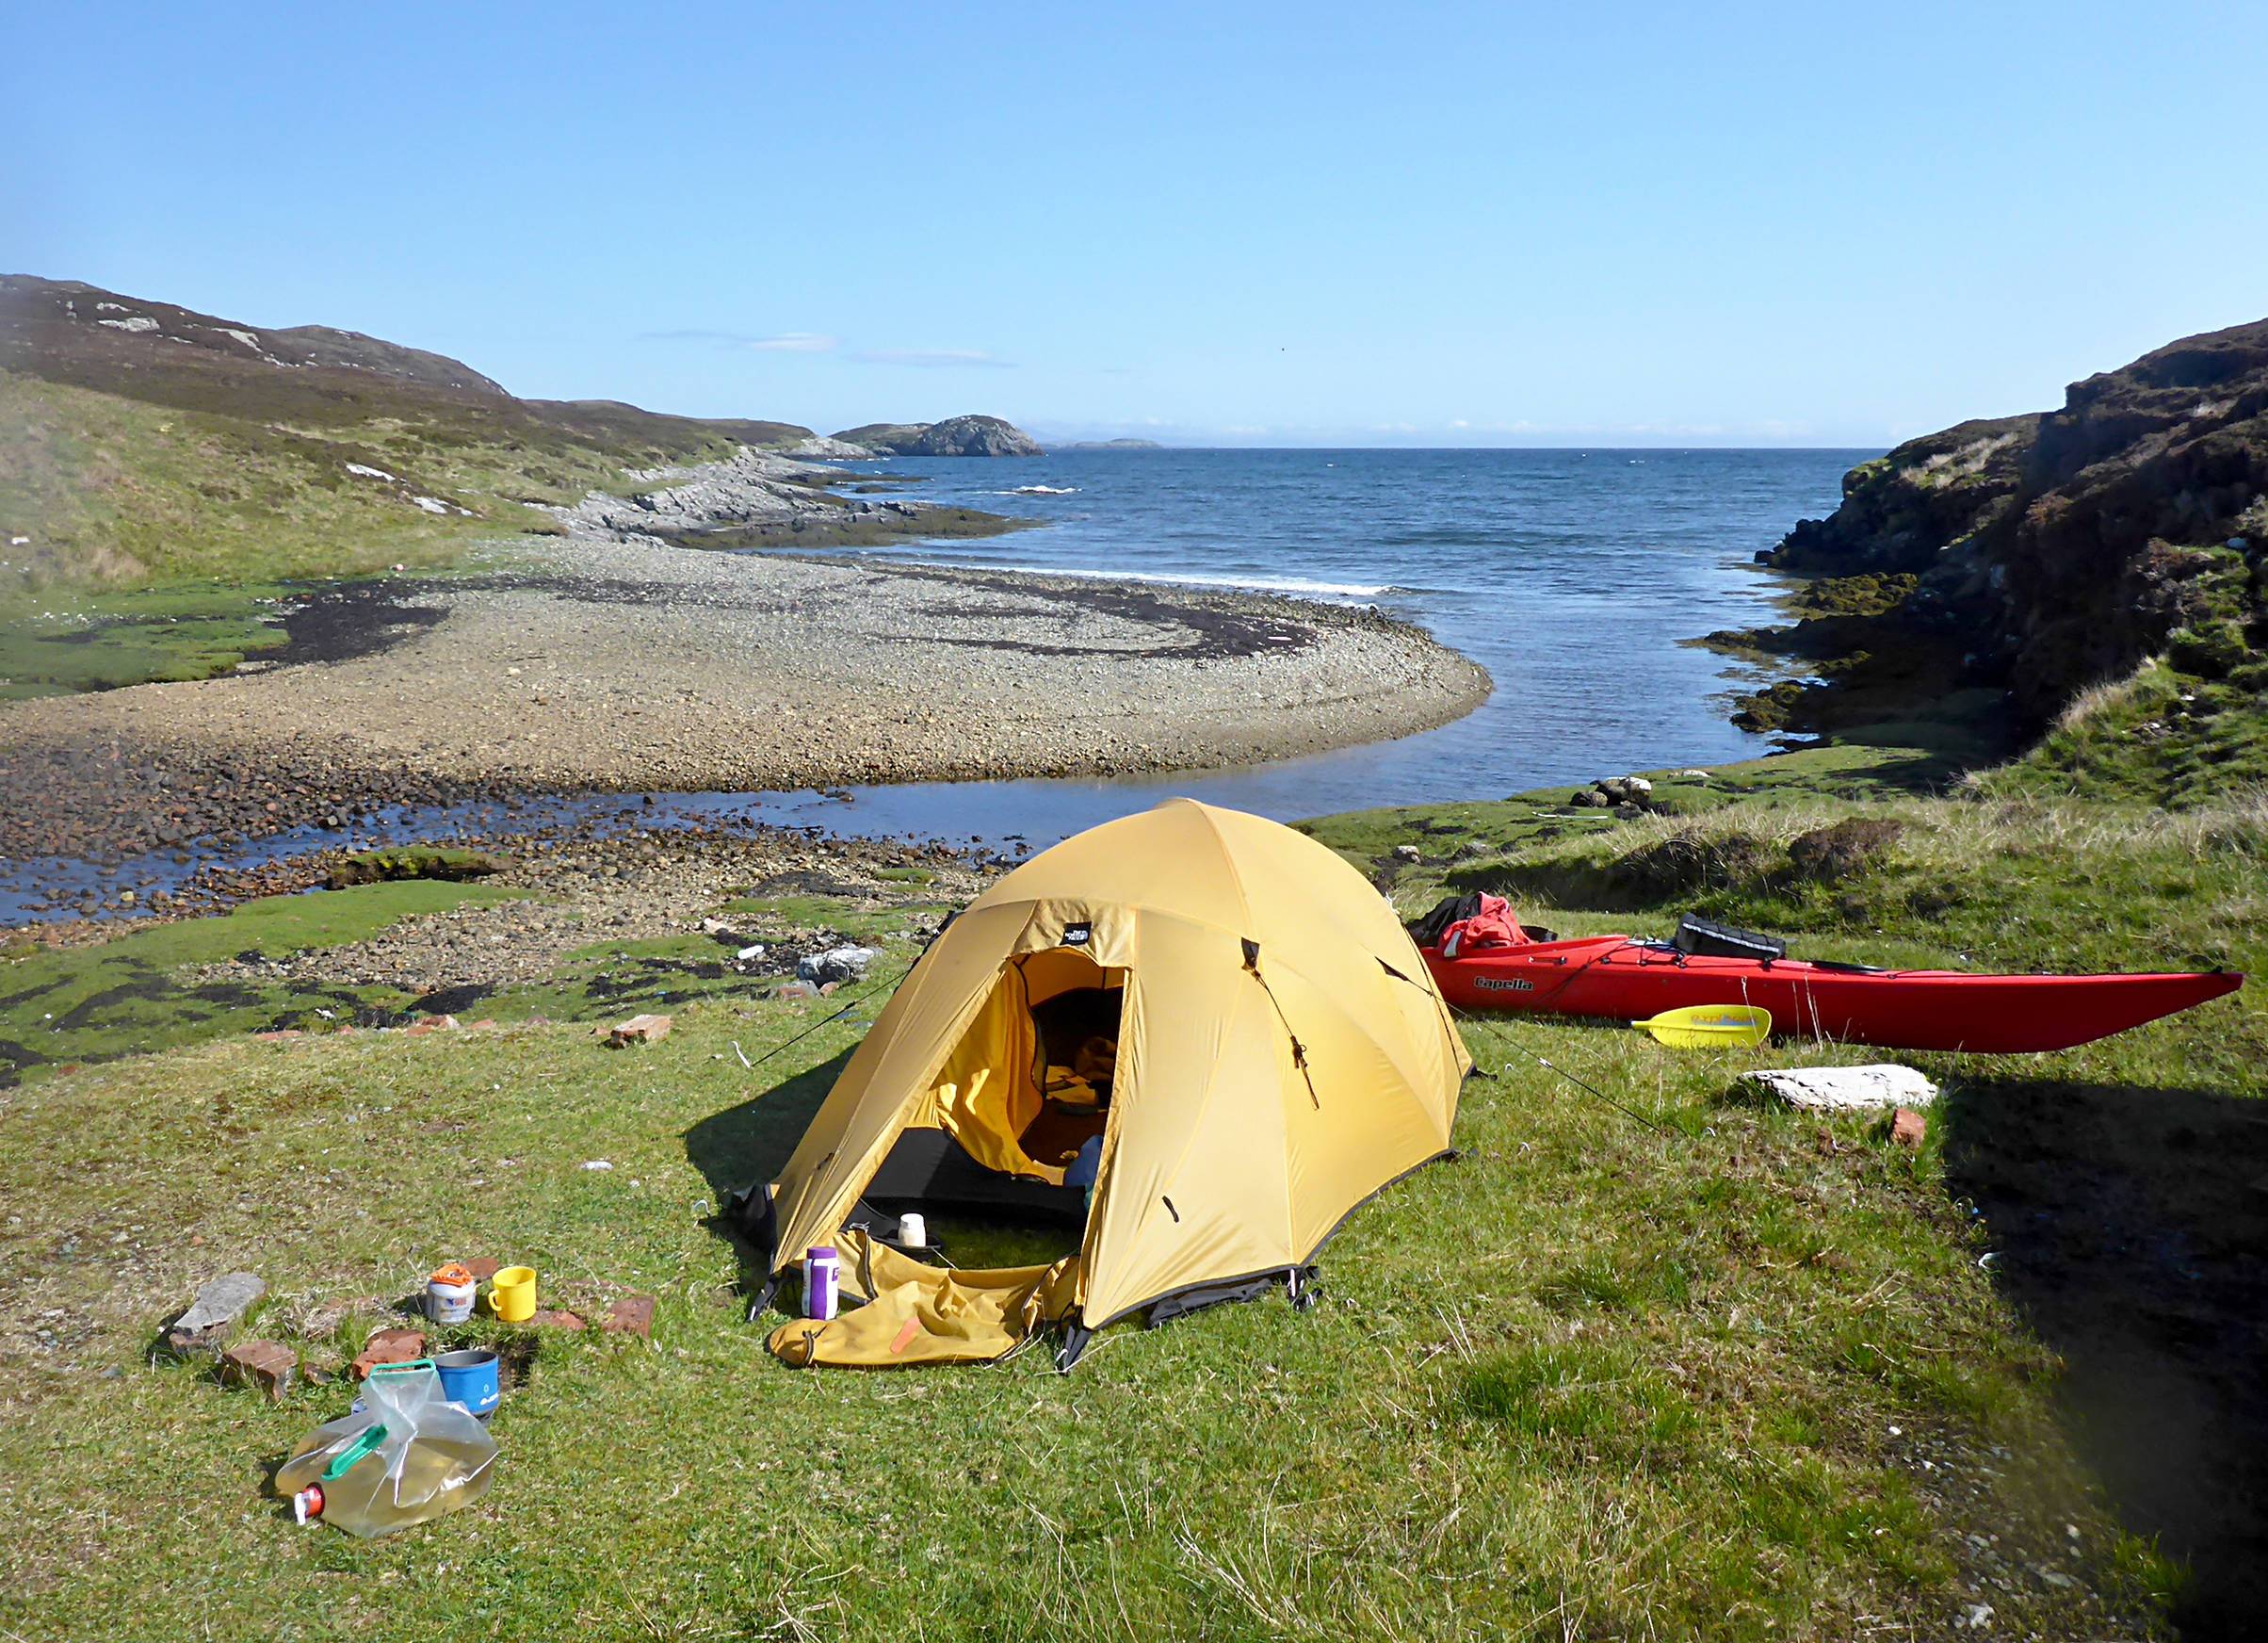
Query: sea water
x=1578, y=577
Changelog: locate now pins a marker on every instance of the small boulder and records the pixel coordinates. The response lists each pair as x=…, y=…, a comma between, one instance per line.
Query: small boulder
x=218, y=1308
x=1408, y=853
x=263, y=1365
x=837, y=964
x=1847, y=1089
x=636, y=1030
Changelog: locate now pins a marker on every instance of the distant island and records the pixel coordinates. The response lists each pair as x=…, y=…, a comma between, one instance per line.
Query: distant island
x=970, y=435
x=1112, y=444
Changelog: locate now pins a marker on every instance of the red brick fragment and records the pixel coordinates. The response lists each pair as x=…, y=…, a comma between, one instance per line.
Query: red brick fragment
x=550, y=1320
x=483, y=1269
x=630, y=1315
x=636, y=1030
x=389, y=1346
x=261, y=1364
x=1908, y=1127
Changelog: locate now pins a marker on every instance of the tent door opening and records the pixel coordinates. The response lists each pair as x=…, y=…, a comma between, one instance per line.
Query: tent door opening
x=1000, y=1133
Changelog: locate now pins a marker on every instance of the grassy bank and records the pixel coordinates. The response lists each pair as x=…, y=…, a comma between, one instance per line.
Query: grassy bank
x=115, y=492
x=2118, y=1183
x=1590, y=1375
x=1743, y=1373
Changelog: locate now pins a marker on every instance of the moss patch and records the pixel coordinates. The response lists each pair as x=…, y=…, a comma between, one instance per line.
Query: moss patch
x=130, y=995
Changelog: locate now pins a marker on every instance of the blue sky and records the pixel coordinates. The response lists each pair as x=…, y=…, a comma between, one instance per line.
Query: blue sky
x=1298, y=224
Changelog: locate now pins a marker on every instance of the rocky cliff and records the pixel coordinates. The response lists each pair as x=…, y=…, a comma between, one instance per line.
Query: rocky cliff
x=2058, y=550
x=956, y=436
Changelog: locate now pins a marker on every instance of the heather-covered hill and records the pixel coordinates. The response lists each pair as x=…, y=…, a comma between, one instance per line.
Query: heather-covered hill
x=141, y=440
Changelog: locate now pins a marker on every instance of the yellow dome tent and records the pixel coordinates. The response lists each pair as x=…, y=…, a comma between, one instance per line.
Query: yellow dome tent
x=1237, y=1015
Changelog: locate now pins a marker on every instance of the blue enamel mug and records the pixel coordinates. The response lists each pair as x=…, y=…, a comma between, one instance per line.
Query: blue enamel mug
x=469, y=1377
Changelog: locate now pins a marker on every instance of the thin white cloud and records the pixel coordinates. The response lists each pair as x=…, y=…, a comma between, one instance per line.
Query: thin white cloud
x=779, y=342
x=932, y=358
x=794, y=342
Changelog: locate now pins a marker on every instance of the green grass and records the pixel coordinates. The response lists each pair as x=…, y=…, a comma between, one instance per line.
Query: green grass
x=1460, y=1441
x=1741, y=1376
x=56, y=641
x=162, y=536
x=1591, y=1377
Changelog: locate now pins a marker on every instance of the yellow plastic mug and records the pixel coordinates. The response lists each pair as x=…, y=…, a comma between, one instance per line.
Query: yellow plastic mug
x=511, y=1294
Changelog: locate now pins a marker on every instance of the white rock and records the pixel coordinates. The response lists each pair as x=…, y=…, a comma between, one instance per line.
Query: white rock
x=598, y=1164
x=1848, y=1089
x=840, y=963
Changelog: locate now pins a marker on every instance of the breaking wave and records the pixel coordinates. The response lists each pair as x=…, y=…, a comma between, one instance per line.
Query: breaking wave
x=1259, y=584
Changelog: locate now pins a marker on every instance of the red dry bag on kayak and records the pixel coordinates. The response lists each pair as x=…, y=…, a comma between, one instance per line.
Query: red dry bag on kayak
x=1494, y=926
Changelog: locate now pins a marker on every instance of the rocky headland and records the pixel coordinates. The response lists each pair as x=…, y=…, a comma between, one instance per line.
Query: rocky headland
x=2038, y=556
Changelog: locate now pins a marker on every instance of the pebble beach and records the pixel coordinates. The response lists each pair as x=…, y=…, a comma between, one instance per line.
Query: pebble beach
x=579, y=665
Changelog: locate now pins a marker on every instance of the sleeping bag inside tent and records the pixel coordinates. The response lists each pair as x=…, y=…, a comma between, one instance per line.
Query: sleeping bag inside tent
x=1214, y=1016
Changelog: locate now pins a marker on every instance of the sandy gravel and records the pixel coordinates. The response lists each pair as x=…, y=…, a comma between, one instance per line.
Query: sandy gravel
x=571, y=664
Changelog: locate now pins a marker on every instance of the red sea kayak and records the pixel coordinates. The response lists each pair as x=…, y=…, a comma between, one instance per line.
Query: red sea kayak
x=1616, y=977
